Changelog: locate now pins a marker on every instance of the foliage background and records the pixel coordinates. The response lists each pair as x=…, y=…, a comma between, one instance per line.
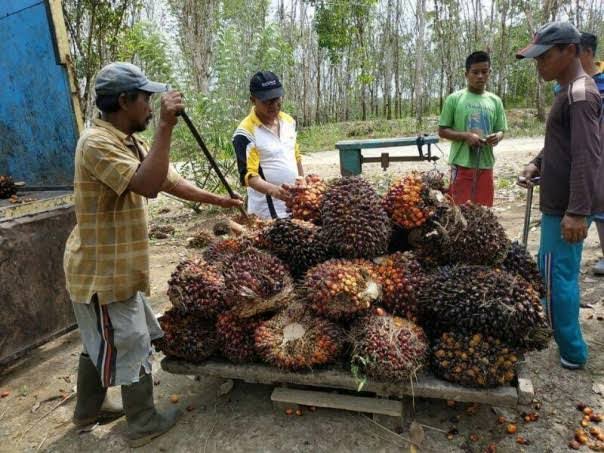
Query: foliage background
x=347, y=65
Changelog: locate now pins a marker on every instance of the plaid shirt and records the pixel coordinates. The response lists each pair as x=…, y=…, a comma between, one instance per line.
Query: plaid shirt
x=107, y=253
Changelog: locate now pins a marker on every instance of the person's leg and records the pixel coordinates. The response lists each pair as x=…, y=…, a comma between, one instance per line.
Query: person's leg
x=560, y=264
x=598, y=269
x=485, y=191
x=131, y=328
x=461, y=184
x=91, y=403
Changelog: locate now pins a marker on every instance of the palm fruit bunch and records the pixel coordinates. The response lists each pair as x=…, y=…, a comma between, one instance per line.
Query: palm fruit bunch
x=306, y=198
x=412, y=200
x=432, y=242
x=355, y=225
x=200, y=239
x=187, y=336
x=473, y=360
x=295, y=339
x=520, y=262
x=477, y=299
x=7, y=187
x=254, y=275
x=297, y=242
x=341, y=289
x=236, y=336
x=484, y=241
x=402, y=279
x=196, y=286
x=224, y=249
x=388, y=348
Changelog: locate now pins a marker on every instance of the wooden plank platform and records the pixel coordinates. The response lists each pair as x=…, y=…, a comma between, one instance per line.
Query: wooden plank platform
x=369, y=405
x=426, y=386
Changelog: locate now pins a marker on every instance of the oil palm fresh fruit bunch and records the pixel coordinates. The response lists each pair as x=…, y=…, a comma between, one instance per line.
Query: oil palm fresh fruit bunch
x=197, y=286
x=341, y=289
x=223, y=249
x=187, y=336
x=297, y=242
x=412, y=199
x=477, y=299
x=402, y=278
x=355, y=225
x=254, y=275
x=296, y=339
x=236, y=336
x=306, y=198
x=7, y=187
x=388, y=348
x=473, y=360
x=520, y=262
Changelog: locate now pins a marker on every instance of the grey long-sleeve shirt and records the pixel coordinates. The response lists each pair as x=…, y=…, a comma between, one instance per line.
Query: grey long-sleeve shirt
x=571, y=163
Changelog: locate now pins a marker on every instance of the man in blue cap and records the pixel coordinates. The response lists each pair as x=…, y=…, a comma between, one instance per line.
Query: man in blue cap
x=571, y=171
x=107, y=254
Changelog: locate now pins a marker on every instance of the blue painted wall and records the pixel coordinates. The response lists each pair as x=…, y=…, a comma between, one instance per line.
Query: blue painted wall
x=38, y=131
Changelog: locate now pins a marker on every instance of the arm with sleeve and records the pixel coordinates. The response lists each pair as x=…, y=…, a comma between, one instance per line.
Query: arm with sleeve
x=585, y=153
x=248, y=158
x=501, y=122
x=110, y=164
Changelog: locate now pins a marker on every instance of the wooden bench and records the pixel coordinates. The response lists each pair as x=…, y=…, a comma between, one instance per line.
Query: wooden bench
x=352, y=159
x=426, y=385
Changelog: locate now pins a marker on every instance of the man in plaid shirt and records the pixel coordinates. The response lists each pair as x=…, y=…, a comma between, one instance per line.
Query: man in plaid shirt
x=107, y=254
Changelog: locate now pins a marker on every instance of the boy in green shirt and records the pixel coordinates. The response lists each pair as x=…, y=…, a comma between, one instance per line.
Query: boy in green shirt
x=474, y=120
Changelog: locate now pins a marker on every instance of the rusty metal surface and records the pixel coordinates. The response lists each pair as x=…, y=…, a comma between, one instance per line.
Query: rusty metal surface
x=35, y=303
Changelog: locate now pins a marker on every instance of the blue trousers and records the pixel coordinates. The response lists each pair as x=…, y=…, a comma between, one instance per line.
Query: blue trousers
x=560, y=265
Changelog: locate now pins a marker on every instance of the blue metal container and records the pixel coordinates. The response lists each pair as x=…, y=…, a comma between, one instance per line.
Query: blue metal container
x=38, y=127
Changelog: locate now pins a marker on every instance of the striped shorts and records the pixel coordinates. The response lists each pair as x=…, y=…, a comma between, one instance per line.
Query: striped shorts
x=117, y=337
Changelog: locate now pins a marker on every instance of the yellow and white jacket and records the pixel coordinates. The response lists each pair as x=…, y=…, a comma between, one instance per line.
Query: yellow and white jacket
x=260, y=152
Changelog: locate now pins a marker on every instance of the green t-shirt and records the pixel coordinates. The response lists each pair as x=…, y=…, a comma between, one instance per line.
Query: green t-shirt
x=482, y=114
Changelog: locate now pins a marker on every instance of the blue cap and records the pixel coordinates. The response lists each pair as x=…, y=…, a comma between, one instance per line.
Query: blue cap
x=117, y=78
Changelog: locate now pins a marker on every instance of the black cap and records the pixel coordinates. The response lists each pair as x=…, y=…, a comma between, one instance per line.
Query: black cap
x=265, y=85
x=548, y=36
x=117, y=78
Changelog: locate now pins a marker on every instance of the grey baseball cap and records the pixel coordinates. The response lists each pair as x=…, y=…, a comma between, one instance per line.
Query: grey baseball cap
x=116, y=78
x=548, y=36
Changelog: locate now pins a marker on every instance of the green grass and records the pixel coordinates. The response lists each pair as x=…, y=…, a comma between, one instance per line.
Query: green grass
x=323, y=137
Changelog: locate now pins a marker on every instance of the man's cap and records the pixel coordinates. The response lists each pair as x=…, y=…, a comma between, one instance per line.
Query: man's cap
x=265, y=85
x=117, y=78
x=548, y=36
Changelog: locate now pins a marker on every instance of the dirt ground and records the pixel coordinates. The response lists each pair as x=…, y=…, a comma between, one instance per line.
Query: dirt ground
x=34, y=417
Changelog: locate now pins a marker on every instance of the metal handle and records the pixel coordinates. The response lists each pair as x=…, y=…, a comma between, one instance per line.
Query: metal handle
x=210, y=158
x=528, y=208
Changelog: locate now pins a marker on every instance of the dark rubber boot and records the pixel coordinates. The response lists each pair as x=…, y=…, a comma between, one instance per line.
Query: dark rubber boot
x=144, y=422
x=90, y=396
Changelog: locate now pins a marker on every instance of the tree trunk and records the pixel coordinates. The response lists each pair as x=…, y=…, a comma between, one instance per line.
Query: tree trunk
x=196, y=23
x=419, y=61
